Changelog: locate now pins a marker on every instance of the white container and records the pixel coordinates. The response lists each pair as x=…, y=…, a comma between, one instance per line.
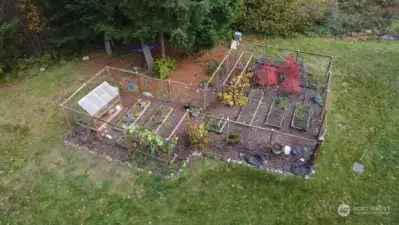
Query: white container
x=287, y=150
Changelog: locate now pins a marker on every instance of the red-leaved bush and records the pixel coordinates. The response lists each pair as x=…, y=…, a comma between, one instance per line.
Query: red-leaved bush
x=266, y=76
x=291, y=72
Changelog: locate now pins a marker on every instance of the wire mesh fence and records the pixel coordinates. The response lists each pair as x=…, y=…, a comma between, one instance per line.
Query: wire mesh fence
x=232, y=137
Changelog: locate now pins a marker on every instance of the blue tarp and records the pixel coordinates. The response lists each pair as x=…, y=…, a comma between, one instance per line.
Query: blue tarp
x=140, y=50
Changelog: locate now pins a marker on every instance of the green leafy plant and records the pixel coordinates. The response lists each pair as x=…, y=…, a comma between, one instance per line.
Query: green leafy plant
x=151, y=139
x=234, y=94
x=197, y=134
x=210, y=155
x=213, y=65
x=41, y=61
x=282, y=102
x=164, y=67
x=233, y=139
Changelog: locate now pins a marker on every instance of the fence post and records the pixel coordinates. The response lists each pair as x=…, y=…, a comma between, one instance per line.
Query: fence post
x=139, y=85
x=204, y=97
x=271, y=138
x=297, y=55
x=228, y=128
x=323, y=120
x=154, y=88
x=65, y=117
x=109, y=74
x=169, y=91
x=316, y=152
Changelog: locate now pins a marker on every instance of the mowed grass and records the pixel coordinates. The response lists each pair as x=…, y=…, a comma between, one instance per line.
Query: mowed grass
x=42, y=182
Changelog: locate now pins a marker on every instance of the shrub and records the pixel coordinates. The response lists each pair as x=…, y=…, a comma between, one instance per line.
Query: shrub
x=210, y=155
x=271, y=16
x=164, y=67
x=234, y=94
x=198, y=135
x=41, y=61
x=213, y=65
x=233, y=139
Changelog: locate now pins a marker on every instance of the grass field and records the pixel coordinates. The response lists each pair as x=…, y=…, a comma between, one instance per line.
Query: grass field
x=42, y=182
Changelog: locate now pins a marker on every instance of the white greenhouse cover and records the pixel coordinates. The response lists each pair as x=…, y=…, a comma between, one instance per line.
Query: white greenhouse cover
x=98, y=98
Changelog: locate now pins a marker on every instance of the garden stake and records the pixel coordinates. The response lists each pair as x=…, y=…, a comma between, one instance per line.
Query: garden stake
x=271, y=137
x=358, y=167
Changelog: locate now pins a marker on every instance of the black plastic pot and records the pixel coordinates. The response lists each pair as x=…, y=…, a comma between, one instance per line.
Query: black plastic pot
x=187, y=106
x=277, y=148
x=255, y=160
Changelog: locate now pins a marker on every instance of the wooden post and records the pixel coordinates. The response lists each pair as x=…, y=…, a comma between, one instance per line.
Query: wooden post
x=322, y=123
x=297, y=55
x=154, y=88
x=271, y=138
x=109, y=74
x=329, y=66
x=169, y=160
x=316, y=153
x=96, y=128
x=323, y=111
x=139, y=85
x=87, y=89
x=169, y=91
x=204, y=97
x=228, y=128
x=66, y=117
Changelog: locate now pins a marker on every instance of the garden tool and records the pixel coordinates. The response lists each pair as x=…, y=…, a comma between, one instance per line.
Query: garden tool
x=358, y=167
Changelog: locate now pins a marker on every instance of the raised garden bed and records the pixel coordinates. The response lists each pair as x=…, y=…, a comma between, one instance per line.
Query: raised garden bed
x=301, y=117
x=276, y=113
x=248, y=110
x=134, y=114
x=158, y=118
x=216, y=125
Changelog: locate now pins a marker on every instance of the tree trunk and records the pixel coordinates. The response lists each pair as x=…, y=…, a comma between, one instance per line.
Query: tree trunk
x=107, y=43
x=162, y=44
x=148, y=56
x=108, y=48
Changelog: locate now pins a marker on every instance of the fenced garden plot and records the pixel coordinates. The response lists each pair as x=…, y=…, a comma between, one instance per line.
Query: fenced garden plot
x=276, y=113
x=253, y=129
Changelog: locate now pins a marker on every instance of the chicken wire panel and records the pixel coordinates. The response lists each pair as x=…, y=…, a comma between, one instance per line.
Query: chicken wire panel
x=181, y=93
x=211, y=96
x=98, y=98
x=315, y=70
x=162, y=89
x=77, y=118
x=147, y=85
x=125, y=80
x=249, y=139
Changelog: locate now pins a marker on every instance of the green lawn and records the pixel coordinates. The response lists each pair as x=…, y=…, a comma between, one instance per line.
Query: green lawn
x=42, y=182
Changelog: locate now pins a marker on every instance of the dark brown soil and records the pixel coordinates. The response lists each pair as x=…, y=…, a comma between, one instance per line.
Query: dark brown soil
x=192, y=70
x=301, y=117
x=276, y=115
x=157, y=117
x=85, y=138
